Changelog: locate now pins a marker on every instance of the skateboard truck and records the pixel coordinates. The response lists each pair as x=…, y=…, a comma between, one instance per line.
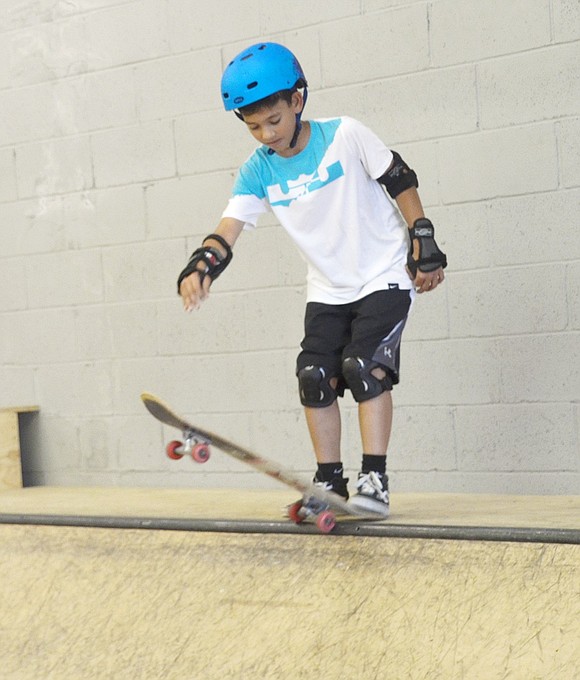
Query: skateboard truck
x=309, y=507
x=193, y=445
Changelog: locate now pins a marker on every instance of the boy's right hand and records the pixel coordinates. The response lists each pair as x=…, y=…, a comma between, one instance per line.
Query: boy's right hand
x=194, y=289
x=207, y=263
x=204, y=266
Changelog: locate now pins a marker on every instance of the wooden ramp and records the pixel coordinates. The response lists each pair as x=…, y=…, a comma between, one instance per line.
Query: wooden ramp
x=238, y=599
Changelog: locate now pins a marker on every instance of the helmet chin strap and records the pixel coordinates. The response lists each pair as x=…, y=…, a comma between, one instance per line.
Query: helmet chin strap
x=296, y=131
x=298, y=121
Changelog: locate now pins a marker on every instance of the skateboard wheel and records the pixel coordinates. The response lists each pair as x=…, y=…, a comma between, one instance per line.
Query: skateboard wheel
x=326, y=521
x=294, y=512
x=200, y=453
x=171, y=450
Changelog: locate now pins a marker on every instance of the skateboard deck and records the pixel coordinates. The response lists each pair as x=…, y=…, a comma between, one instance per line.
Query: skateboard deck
x=324, y=507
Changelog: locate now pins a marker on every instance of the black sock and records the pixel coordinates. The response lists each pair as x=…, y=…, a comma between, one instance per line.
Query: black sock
x=329, y=471
x=374, y=464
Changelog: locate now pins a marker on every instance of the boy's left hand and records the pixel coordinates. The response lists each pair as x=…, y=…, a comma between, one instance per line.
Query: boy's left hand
x=425, y=260
x=427, y=281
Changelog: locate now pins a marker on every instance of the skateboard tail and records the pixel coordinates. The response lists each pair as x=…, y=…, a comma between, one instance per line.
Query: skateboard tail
x=162, y=411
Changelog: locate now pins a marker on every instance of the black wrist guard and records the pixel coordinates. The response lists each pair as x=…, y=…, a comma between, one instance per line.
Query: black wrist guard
x=213, y=261
x=430, y=256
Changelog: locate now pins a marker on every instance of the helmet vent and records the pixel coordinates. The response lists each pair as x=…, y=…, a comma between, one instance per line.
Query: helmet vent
x=251, y=86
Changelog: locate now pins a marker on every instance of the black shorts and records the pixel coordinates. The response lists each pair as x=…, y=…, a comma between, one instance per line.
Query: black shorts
x=370, y=328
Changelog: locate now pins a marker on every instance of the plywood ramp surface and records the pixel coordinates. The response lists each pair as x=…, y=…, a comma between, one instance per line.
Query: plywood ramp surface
x=84, y=604
x=426, y=509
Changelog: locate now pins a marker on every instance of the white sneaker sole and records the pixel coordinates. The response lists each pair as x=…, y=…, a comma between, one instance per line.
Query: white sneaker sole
x=368, y=504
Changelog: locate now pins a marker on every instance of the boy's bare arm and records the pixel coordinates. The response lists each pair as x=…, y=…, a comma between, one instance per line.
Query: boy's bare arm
x=194, y=288
x=410, y=205
x=411, y=208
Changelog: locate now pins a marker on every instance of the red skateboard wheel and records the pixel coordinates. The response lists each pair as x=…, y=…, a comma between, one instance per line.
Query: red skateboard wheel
x=294, y=512
x=200, y=453
x=171, y=450
x=326, y=521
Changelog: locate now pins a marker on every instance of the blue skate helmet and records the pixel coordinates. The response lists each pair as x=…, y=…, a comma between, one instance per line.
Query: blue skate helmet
x=258, y=72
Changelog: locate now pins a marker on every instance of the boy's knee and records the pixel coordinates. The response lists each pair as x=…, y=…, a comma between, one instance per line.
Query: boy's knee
x=317, y=387
x=366, y=379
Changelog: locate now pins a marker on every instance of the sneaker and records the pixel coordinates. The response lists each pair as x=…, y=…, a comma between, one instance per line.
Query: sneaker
x=372, y=493
x=339, y=485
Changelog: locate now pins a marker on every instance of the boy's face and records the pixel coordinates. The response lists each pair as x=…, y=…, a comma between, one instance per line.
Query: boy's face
x=274, y=126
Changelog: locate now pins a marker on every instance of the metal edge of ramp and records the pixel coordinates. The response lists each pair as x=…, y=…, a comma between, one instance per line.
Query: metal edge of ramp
x=348, y=528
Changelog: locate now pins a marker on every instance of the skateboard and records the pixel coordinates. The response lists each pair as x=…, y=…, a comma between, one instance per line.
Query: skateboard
x=322, y=507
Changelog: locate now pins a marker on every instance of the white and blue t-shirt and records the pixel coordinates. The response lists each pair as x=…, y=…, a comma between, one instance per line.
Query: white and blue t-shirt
x=328, y=200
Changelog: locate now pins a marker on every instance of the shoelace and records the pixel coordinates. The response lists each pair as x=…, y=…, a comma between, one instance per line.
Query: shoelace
x=370, y=484
x=327, y=486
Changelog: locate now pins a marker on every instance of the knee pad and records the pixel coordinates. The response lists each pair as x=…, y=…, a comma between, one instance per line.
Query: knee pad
x=315, y=387
x=357, y=373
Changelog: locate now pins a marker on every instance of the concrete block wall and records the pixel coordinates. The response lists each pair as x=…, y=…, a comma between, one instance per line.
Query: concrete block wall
x=116, y=159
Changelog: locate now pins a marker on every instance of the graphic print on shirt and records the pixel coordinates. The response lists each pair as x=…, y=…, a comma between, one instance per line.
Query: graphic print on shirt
x=285, y=192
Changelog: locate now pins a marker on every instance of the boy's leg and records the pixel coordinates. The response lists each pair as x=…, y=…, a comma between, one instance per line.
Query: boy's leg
x=371, y=371
x=324, y=426
x=375, y=421
x=327, y=330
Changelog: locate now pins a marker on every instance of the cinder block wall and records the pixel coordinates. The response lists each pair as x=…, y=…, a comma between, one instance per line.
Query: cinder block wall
x=116, y=159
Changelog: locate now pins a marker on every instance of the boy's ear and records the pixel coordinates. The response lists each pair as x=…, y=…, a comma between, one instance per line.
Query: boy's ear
x=297, y=101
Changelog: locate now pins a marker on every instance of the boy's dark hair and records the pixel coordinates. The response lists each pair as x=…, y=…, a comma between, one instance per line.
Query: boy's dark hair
x=268, y=102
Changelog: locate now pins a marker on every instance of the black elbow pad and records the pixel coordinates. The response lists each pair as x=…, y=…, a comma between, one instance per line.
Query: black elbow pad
x=398, y=177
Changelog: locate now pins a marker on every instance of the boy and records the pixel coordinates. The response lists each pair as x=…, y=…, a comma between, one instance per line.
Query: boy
x=326, y=181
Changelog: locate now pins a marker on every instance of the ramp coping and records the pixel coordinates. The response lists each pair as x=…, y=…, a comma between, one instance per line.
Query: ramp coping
x=352, y=528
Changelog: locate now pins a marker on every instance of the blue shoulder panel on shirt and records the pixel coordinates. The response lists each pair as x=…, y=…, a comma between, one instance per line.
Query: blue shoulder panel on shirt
x=283, y=180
